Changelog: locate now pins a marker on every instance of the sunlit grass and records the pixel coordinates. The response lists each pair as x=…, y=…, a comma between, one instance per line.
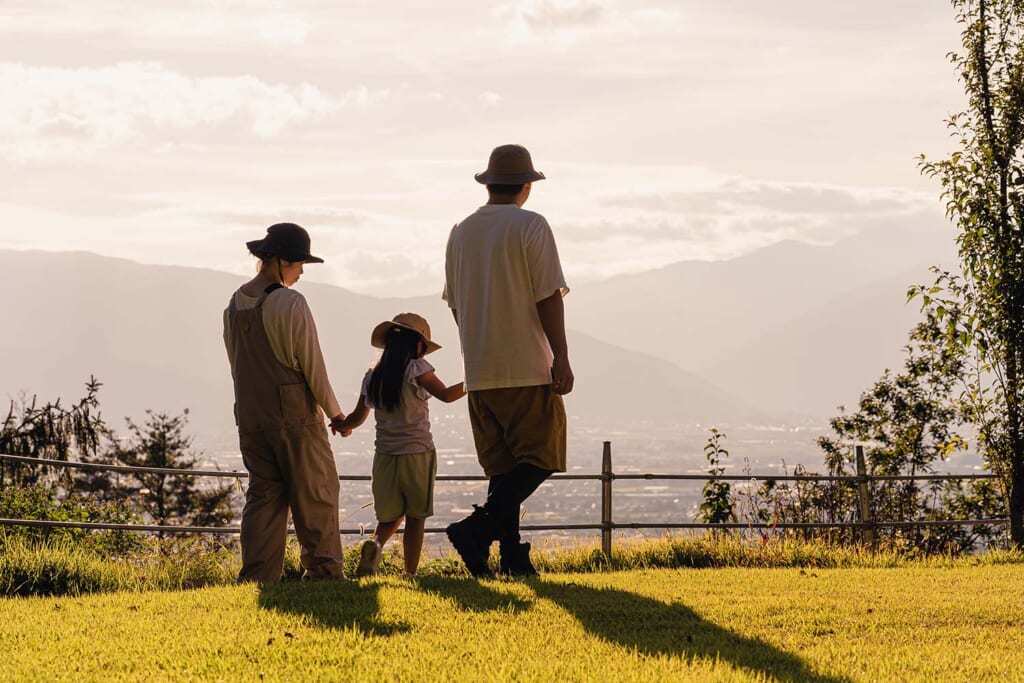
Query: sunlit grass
x=62, y=568
x=909, y=623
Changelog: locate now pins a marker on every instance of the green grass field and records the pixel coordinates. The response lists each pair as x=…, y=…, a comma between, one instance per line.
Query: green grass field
x=961, y=622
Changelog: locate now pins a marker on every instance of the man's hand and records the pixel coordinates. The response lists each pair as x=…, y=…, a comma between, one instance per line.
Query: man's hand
x=561, y=376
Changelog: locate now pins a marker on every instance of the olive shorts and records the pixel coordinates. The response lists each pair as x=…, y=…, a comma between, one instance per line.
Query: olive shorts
x=403, y=485
x=518, y=425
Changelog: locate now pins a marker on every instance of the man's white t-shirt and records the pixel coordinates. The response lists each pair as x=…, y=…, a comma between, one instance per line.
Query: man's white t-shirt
x=500, y=261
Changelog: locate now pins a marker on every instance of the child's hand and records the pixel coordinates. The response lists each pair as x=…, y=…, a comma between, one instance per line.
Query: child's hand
x=337, y=423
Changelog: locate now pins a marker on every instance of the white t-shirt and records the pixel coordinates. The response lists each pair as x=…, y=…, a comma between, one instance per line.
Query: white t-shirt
x=406, y=430
x=500, y=261
x=291, y=332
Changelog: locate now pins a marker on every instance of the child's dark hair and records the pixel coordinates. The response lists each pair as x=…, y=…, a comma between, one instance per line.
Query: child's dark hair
x=385, y=387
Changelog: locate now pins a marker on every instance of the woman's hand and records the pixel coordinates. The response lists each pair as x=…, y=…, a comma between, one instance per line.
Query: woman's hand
x=338, y=425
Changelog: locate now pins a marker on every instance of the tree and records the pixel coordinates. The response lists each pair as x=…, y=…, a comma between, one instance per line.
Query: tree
x=161, y=442
x=50, y=432
x=982, y=309
x=717, y=506
x=906, y=421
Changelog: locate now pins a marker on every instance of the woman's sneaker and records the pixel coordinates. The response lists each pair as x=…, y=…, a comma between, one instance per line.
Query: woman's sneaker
x=369, y=558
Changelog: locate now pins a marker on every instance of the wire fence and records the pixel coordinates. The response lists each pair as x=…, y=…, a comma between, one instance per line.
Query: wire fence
x=606, y=525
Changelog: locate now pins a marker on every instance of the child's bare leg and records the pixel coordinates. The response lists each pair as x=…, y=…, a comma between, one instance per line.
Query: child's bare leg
x=412, y=542
x=385, y=530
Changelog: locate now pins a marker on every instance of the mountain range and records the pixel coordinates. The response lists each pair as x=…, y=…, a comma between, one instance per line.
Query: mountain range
x=787, y=332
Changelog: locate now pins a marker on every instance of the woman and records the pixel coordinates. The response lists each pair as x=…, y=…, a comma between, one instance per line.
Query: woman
x=281, y=386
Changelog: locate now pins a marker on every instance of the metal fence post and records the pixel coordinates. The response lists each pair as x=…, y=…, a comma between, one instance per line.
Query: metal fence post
x=864, y=496
x=606, y=501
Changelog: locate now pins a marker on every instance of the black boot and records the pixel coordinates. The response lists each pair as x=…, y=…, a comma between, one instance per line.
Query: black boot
x=472, y=538
x=515, y=560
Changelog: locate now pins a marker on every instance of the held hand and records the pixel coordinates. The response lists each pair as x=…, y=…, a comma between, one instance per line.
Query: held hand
x=337, y=423
x=561, y=376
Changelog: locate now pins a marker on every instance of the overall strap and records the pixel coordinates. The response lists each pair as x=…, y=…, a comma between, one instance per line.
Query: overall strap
x=266, y=292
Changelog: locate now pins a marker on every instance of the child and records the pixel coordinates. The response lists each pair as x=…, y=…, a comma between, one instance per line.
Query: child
x=404, y=461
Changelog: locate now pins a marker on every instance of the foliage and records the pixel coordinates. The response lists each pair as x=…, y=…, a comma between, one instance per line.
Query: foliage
x=40, y=502
x=981, y=309
x=38, y=492
x=164, y=498
x=51, y=432
x=717, y=507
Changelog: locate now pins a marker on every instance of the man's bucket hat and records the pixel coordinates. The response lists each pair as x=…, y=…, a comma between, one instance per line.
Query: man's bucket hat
x=403, y=321
x=509, y=165
x=286, y=241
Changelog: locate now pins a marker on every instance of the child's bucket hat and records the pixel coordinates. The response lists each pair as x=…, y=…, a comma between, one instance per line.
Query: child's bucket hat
x=403, y=321
x=509, y=165
x=286, y=241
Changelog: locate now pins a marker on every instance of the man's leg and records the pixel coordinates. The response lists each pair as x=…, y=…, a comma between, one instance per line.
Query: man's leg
x=536, y=431
x=506, y=494
x=473, y=535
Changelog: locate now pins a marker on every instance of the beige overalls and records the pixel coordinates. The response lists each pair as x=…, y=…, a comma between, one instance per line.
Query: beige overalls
x=285, y=448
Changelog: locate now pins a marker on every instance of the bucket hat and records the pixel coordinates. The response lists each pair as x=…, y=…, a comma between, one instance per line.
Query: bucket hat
x=509, y=165
x=286, y=241
x=404, y=321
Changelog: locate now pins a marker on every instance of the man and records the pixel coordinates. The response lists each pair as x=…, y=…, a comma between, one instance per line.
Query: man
x=504, y=284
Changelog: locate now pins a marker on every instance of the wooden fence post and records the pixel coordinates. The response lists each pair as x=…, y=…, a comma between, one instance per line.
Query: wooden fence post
x=864, y=495
x=606, y=502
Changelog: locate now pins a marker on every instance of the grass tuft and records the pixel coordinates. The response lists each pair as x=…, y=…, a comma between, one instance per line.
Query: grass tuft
x=59, y=567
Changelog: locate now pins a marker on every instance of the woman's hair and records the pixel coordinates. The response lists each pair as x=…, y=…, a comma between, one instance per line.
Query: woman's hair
x=385, y=387
x=270, y=262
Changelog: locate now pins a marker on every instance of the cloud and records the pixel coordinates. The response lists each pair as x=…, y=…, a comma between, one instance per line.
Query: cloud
x=561, y=20
x=54, y=111
x=792, y=198
x=264, y=22
x=490, y=99
x=397, y=272
x=546, y=14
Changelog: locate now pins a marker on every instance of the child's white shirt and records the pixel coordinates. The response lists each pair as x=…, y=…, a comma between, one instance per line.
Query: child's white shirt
x=406, y=430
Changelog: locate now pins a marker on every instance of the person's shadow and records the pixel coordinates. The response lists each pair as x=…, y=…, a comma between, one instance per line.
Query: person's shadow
x=332, y=604
x=655, y=628
x=633, y=621
x=344, y=604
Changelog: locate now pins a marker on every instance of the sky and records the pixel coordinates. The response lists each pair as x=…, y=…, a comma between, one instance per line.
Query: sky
x=669, y=130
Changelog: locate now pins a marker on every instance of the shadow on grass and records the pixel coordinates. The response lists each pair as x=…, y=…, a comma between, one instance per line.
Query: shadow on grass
x=469, y=595
x=332, y=604
x=655, y=628
x=346, y=604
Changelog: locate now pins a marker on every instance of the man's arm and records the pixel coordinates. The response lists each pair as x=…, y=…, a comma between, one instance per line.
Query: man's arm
x=552, y=319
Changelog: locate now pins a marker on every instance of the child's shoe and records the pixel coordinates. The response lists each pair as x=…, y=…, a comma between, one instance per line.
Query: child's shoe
x=369, y=558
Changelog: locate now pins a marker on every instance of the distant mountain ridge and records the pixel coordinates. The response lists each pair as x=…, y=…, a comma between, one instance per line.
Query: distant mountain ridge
x=739, y=322
x=786, y=332
x=153, y=336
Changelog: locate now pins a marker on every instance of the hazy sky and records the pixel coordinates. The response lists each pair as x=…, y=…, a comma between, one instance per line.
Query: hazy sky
x=172, y=132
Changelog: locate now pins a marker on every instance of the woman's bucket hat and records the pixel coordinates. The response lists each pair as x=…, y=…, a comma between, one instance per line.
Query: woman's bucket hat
x=509, y=165
x=286, y=241
x=403, y=321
